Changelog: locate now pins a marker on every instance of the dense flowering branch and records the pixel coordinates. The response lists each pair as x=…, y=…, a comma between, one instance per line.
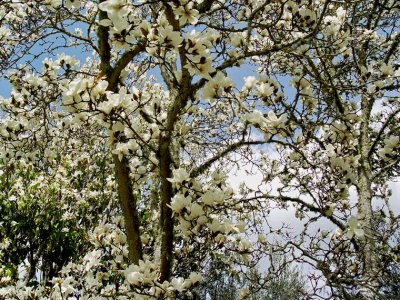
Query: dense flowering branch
x=127, y=153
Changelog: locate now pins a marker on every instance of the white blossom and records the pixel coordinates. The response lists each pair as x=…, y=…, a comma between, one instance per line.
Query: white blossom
x=179, y=176
x=353, y=228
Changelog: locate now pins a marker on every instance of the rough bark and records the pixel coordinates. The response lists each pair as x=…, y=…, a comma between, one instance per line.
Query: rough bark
x=370, y=278
x=179, y=96
x=167, y=222
x=128, y=204
x=167, y=225
x=127, y=200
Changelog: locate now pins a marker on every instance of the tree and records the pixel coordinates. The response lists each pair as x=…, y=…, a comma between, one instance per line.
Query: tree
x=222, y=283
x=119, y=143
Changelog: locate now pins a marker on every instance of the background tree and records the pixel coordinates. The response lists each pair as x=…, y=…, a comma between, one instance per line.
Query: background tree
x=221, y=283
x=136, y=131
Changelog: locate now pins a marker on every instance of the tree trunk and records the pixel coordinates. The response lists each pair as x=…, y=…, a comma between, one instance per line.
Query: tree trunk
x=370, y=278
x=127, y=199
x=167, y=225
x=128, y=204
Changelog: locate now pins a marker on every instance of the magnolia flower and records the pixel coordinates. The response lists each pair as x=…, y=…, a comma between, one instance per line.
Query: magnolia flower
x=202, y=220
x=200, y=65
x=115, y=100
x=353, y=228
x=168, y=36
x=213, y=196
x=117, y=11
x=386, y=70
x=99, y=89
x=332, y=25
x=308, y=15
x=254, y=117
x=179, y=202
x=34, y=81
x=215, y=226
x=387, y=152
x=195, y=277
x=265, y=90
x=196, y=210
x=67, y=286
x=304, y=83
x=274, y=122
x=249, y=82
x=223, y=81
x=186, y=14
x=216, y=86
x=205, y=69
x=392, y=141
x=350, y=178
x=91, y=281
x=343, y=190
x=236, y=39
x=92, y=259
x=341, y=13
x=291, y=6
x=72, y=92
x=210, y=37
x=66, y=61
x=243, y=293
x=179, y=176
x=220, y=238
x=177, y=284
x=210, y=90
x=134, y=278
x=245, y=244
x=72, y=4
x=114, y=7
x=5, y=33
x=198, y=56
x=329, y=209
x=261, y=238
x=121, y=150
x=241, y=226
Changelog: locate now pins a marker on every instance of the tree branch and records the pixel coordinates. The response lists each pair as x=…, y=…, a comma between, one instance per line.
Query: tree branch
x=128, y=204
x=200, y=169
x=381, y=130
x=125, y=59
x=310, y=207
x=125, y=193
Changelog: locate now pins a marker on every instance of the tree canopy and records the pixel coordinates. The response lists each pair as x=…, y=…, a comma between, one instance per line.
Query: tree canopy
x=128, y=121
